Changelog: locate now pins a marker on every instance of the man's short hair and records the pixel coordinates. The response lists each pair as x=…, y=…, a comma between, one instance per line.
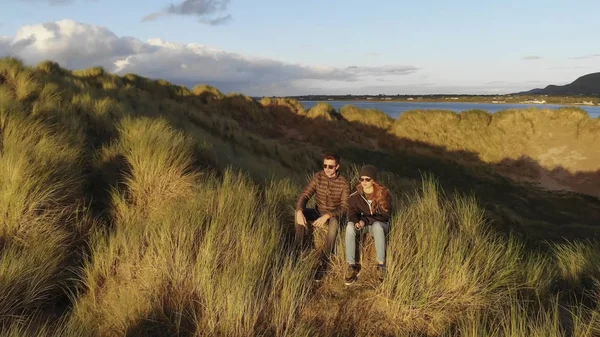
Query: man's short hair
x=332, y=156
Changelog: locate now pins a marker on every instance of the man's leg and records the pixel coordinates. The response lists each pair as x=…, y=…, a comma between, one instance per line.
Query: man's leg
x=332, y=229
x=302, y=231
x=333, y=226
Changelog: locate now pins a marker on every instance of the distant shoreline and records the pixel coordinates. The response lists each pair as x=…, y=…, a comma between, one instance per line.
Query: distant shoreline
x=397, y=107
x=597, y=103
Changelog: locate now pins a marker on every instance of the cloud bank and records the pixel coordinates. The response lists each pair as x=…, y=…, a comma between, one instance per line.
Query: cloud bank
x=51, y=2
x=531, y=57
x=584, y=57
x=77, y=45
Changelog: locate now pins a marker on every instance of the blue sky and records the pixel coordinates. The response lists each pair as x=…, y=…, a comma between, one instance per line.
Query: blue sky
x=286, y=48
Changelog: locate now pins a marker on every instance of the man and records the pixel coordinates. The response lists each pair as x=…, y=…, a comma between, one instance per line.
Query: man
x=331, y=190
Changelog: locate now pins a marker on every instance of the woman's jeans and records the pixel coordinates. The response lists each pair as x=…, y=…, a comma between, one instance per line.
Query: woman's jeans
x=379, y=231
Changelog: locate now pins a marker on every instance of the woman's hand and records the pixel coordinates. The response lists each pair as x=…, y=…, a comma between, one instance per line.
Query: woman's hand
x=359, y=224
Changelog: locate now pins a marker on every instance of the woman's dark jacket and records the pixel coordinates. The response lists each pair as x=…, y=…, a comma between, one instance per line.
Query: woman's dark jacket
x=359, y=209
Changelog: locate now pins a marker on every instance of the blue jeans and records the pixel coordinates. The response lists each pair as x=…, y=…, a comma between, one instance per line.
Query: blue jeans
x=378, y=230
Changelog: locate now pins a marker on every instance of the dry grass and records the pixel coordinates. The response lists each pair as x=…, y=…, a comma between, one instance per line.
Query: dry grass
x=207, y=93
x=575, y=261
x=118, y=198
x=564, y=137
x=371, y=117
x=531, y=319
x=323, y=111
x=445, y=262
x=283, y=103
x=40, y=194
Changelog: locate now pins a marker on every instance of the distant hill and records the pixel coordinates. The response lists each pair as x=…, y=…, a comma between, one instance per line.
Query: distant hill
x=585, y=85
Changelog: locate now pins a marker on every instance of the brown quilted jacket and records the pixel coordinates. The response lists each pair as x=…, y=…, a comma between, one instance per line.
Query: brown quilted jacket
x=331, y=193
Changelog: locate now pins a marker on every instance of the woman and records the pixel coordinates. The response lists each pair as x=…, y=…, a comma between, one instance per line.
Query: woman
x=369, y=209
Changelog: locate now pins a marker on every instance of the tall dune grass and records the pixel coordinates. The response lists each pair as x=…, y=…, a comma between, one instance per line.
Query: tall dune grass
x=445, y=261
x=323, y=111
x=531, y=319
x=371, y=117
x=564, y=137
x=190, y=252
x=180, y=244
x=40, y=189
x=292, y=105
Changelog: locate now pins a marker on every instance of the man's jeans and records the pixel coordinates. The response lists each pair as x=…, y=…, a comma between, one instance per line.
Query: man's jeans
x=379, y=231
x=302, y=232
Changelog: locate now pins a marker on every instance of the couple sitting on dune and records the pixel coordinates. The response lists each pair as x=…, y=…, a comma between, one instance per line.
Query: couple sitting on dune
x=368, y=208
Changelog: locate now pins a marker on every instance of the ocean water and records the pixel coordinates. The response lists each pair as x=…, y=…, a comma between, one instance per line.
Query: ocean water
x=395, y=109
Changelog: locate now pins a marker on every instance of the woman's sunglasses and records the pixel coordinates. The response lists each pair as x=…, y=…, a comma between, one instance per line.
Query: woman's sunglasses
x=331, y=167
x=365, y=179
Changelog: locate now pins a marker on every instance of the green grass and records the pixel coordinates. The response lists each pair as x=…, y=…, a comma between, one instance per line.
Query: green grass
x=133, y=207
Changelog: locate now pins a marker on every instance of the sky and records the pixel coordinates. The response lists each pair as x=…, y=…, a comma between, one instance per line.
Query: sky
x=282, y=47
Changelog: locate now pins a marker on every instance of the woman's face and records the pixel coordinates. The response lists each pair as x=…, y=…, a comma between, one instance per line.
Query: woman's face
x=366, y=182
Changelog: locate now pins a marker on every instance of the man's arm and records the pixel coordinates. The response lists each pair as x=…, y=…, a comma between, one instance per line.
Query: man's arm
x=353, y=212
x=308, y=192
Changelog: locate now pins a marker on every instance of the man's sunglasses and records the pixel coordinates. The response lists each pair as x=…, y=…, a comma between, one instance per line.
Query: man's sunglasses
x=365, y=179
x=329, y=166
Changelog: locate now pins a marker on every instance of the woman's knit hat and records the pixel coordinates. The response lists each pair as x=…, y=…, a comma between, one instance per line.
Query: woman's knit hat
x=368, y=171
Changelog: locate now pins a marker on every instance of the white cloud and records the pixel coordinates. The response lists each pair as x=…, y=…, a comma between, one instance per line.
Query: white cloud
x=51, y=2
x=584, y=57
x=221, y=20
x=76, y=45
x=211, y=12
x=531, y=57
x=72, y=44
x=383, y=70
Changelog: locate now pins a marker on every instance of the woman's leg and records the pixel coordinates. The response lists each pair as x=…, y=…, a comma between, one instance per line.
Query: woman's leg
x=351, y=242
x=379, y=231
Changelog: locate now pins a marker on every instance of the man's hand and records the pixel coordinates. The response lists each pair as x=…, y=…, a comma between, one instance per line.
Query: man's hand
x=321, y=221
x=300, y=218
x=360, y=224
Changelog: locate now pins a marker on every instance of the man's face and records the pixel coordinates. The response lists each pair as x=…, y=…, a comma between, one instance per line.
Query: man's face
x=330, y=167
